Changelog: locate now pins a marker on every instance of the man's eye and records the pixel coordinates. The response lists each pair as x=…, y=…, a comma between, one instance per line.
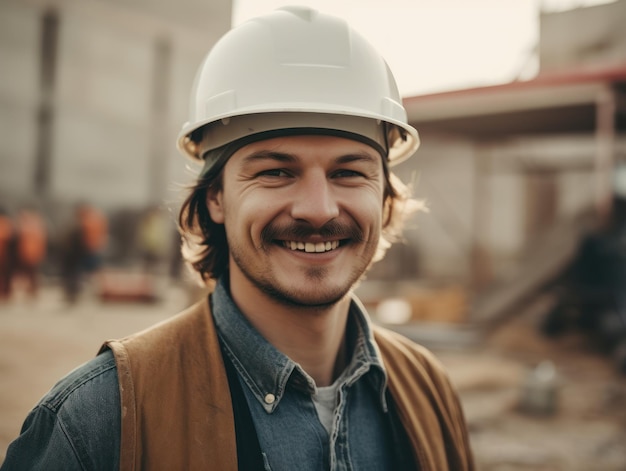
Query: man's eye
x=274, y=172
x=347, y=174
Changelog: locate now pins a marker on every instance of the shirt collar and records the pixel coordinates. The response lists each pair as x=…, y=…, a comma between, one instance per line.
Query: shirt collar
x=267, y=371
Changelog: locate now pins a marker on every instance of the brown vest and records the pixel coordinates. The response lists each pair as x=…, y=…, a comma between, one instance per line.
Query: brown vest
x=177, y=411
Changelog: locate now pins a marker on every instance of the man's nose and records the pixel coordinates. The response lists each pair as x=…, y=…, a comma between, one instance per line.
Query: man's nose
x=314, y=200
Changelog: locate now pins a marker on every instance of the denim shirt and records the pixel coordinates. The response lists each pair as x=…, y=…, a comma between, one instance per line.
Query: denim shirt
x=75, y=426
x=279, y=394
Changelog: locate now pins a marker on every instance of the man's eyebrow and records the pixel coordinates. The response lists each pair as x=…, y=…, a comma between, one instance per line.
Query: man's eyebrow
x=358, y=156
x=269, y=155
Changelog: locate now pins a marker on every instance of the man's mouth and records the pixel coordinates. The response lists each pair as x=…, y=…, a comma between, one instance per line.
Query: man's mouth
x=311, y=247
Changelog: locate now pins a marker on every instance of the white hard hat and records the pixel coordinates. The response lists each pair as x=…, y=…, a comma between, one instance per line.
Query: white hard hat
x=295, y=69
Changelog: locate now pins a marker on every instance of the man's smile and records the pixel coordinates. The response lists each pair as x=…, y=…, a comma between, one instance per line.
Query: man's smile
x=311, y=247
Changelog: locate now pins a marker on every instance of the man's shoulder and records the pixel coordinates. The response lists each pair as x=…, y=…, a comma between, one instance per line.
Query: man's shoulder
x=91, y=382
x=150, y=357
x=75, y=425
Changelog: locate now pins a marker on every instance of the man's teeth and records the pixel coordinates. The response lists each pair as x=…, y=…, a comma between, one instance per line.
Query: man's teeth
x=311, y=247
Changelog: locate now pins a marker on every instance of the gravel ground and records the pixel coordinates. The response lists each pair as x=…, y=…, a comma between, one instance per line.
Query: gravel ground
x=585, y=430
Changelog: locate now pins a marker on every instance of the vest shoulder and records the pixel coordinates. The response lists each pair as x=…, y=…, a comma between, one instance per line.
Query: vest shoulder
x=173, y=345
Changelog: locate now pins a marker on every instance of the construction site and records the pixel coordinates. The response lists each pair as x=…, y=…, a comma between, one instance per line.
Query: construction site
x=514, y=275
x=532, y=402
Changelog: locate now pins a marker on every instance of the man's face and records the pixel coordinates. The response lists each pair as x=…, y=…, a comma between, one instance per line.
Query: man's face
x=302, y=215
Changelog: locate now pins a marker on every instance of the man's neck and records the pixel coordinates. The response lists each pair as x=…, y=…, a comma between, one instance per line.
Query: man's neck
x=312, y=337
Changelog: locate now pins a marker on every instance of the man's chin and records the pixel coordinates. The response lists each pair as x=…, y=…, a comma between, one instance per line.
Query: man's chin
x=306, y=299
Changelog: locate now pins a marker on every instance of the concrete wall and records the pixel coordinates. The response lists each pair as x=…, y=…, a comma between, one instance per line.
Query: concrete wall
x=119, y=94
x=585, y=36
x=19, y=96
x=442, y=175
x=492, y=200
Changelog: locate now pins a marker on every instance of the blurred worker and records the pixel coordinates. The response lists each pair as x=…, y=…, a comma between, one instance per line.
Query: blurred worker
x=72, y=255
x=31, y=247
x=94, y=231
x=153, y=235
x=297, y=121
x=7, y=254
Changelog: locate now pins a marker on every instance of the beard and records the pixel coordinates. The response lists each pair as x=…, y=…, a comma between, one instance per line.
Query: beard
x=264, y=279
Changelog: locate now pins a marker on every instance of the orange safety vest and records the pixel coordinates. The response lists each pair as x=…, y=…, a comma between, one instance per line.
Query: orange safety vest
x=31, y=244
x=6, y=233
x=94, y=227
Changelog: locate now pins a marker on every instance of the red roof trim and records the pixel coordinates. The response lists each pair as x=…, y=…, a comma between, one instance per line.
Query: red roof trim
x=611, y=74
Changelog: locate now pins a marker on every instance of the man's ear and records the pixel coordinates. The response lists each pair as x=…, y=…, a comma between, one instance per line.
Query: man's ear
x=215, y=204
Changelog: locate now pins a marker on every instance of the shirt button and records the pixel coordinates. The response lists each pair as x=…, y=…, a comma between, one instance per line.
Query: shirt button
x=270, y=398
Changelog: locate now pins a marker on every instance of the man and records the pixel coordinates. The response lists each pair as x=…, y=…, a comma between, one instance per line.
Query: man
x=297, y=120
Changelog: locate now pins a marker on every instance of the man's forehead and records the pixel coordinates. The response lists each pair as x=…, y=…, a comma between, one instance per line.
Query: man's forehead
x=303, y=146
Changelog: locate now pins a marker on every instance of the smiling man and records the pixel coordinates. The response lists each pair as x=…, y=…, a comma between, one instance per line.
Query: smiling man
x=297, y=121
x=302, y=216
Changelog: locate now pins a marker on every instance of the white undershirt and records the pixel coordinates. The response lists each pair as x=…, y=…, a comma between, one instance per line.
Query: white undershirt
x=325, y=401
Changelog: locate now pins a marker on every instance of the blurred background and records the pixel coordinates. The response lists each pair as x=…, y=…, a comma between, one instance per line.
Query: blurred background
x=515, y=276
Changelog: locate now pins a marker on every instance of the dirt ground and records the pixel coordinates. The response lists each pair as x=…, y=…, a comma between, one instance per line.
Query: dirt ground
x=43, y=339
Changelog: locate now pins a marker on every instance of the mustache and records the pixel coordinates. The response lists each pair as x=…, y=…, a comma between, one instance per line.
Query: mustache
x=302, y=230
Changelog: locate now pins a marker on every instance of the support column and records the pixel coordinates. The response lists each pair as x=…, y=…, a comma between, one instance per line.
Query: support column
x=159, y=142
x=46, y=111
x=480, y=259
x=604, y=157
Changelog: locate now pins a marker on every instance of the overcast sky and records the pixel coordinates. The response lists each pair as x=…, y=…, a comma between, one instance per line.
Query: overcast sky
x=437, y=45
